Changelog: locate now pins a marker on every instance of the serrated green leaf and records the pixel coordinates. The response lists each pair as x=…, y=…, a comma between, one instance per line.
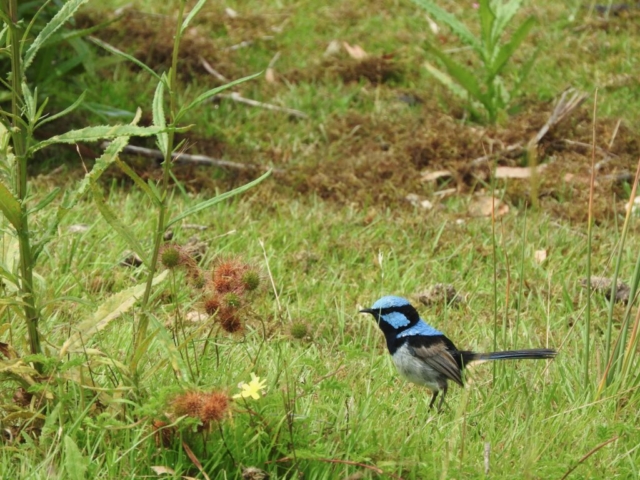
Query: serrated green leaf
x=507, y=50
x=60, y=18
x=64, y=112
x=93, y=134
x=120, y=53
x=110, y=310
x=71, y=197
x=194, y=11
x=214, y=91
x=456, y=89
x=114, y=221
x=75, y=463
x=10, y=207
x=162, y=139
x=504, y=14
x=212, y=201
x=456, y=26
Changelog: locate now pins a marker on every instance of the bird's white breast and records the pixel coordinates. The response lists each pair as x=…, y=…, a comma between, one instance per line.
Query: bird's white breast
x=414, y=369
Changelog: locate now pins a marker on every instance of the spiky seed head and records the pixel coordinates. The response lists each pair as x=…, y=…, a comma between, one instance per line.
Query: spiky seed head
x=299, y=330
x=188, y=403
x=171, y=256
x=212, y=304
x=231, y=300
x=214, y=407
x=251, y=280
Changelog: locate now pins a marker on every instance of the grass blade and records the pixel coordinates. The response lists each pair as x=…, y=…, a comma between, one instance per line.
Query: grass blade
x=460, y=74
x=214, y=91
x=120, y=53
x=115, y=222
x=505, y=53
x=194, y=11
x=212, y=201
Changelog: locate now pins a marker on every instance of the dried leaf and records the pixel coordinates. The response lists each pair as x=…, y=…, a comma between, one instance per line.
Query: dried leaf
x=270, y=75
x=540, y=256
x=79, y=228
x=482, y=206
x=433, y=176
x=160, y=470
x=332, y=49
x=356, y=51
x=231, y=13
x=194, y=459
x=111, y=309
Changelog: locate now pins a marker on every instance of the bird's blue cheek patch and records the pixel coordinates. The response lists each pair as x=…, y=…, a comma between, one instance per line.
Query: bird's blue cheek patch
x=395, y=319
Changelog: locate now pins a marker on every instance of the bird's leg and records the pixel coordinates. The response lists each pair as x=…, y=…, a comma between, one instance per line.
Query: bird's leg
x=444, y=394
x=433, y=399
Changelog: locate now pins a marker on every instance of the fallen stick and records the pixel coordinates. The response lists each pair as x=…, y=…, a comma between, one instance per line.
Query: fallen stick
x=236, y=97
x=185, y=158
x=212, y=71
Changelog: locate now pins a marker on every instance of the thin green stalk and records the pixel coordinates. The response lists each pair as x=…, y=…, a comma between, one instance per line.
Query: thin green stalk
x=166, y=175
x=19, y=141
x=587, y=326
x=521, y=285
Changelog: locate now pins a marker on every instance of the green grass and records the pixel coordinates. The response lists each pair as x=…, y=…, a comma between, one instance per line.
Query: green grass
x=334, y=397
x=346, y=400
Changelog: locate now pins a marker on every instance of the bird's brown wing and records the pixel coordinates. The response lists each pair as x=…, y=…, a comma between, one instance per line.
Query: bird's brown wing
x=435, y=353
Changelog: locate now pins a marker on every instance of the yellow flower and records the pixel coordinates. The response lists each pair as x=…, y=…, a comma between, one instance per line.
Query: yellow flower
x=251, y=389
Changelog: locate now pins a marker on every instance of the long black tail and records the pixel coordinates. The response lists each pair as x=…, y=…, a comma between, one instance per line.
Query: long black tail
x=535, y=354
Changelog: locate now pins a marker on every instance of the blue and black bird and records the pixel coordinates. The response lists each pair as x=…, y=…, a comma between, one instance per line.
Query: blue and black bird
x=423, y=355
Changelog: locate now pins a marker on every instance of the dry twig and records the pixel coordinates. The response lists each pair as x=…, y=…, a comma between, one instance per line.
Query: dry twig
x=236, y=97
x=185, y=158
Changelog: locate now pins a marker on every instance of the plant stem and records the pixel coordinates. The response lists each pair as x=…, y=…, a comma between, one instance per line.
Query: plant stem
x=19, y=141
x=166, y=175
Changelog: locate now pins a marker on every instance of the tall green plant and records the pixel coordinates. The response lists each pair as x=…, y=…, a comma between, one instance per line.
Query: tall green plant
x=18, y=146
x=167, y=122
x=484, y=87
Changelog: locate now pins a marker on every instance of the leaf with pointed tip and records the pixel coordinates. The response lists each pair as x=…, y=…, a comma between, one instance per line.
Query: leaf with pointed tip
x=465, y=77
x=110, y=310
x=194, y=11
x=114, y=221
x=93, y=134
x=214, y=91
x=120, y=53
x=59, y=19
x=212, y=201
x=10, y=207
x=506, y=51
x=64, y=112
x=162, y=139
x=71, y=197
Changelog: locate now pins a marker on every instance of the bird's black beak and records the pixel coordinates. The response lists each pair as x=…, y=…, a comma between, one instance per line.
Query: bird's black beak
x=366, y=310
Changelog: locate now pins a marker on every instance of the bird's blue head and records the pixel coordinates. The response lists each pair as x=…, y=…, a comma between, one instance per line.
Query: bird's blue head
x=393, y=313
